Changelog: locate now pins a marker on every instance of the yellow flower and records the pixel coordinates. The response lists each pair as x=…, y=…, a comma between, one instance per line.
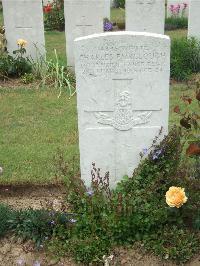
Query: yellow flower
x=21, y=42
x=175, y=197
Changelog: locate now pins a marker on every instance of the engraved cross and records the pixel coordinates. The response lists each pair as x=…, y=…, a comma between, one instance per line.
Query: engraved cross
x=83, y=24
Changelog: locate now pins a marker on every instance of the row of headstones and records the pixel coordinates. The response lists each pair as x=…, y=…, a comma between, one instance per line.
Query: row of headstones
x=24, y=19
x=122, y=82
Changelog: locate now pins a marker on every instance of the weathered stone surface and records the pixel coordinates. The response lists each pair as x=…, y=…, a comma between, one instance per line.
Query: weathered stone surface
x=194, y=20
x=145, y=15
x=182, y=12
x=82, y=18
x=107, y=9
x=122, y=91
x=23, y=19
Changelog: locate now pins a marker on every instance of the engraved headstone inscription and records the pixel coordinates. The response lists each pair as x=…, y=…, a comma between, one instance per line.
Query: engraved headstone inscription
x=122, y=98
x=82, y=17
x=145, y=15
x=23, y=19
x=194, y=20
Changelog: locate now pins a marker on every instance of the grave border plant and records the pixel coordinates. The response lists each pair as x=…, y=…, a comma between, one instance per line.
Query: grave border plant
x=140, y=210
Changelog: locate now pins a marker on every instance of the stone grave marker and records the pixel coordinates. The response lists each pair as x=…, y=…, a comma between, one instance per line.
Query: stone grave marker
x=194, y=19
x=183, y=10
x=122, y=99
x=82, y=17
x=145, y=15
x=23, y=19
x=107, y=9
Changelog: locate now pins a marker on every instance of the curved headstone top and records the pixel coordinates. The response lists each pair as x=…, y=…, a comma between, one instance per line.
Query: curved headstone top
x=121, y=33
x=122, y=99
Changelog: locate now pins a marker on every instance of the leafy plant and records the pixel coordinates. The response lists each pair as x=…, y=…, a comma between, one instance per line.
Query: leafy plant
x=185, y=58
x=189, y=121
x=119, y=3
x=5, y=215
x=27, y=78
x=173, y=243
x=16, y=65
x=135, y=210
x=36, y=225
x=54, y=15
x=54, y=74
x=174, y=23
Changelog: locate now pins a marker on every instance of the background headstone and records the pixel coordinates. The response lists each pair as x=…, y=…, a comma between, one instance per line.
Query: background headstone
x=194, y=19
x=122, y=98
x=82, y=17
x=175, y=3
x=107, y=9
x=145, y=15
x=23, y=19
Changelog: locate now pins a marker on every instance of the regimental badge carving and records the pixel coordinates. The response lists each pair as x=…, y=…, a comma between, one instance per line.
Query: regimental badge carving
x=123, y=117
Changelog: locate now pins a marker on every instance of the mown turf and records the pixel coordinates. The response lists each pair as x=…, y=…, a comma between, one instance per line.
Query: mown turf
x=35, y=124
x=56, y=40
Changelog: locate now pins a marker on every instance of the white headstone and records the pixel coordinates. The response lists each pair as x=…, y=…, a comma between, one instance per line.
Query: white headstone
x=194, y=19
x=174, y=5
x=82, y=17
x=122, y=98
x=145, y=15
x=23, y=19
x=107, y=9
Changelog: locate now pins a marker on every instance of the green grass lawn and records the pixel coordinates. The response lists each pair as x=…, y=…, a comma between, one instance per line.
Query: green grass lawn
x=35, y=124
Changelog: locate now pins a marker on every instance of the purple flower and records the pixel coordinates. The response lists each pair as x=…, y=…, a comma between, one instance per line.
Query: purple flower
x=156, y=154
x=52, y=222
x=144, y=151
x=90, y=192
x=108, y=26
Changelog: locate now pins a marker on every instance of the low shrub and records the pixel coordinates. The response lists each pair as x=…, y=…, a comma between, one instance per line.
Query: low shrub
x=16, y=65
x=119, y=3
x=5, y=215
x=36, y=225
x=27, y=78
x=139, y=209
x=175, y=23
x=53, y=73
x=54, y=15
x=173, y=243
x=135, y=211
x=185, y=58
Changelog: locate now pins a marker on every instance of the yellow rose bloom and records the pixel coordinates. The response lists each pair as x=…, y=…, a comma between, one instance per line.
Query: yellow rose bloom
x=175, y=197
x=21, y=42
